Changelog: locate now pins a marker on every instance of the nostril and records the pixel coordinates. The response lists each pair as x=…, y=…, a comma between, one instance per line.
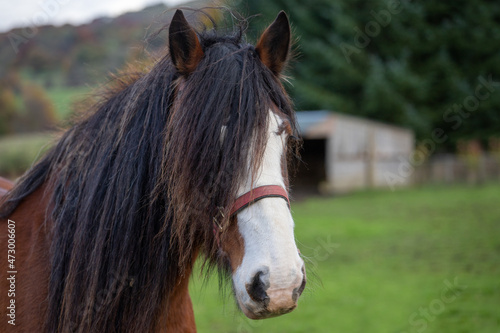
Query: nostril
x=298, y=291
x=257, y=289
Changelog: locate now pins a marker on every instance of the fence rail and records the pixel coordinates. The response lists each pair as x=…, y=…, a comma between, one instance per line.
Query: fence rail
x=449, y=168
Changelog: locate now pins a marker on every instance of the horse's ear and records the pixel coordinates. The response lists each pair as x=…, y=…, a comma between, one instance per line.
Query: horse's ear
x=274, y=44
x=185, y=48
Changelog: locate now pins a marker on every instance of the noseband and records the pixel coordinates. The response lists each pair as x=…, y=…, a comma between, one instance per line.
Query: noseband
x=249, y=198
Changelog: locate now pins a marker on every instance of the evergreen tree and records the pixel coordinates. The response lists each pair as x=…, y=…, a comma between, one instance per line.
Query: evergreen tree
x=416, y=64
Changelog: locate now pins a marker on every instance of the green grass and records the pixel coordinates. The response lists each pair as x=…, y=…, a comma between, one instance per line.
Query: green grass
x=19, y=152
x=64, y=97
x=381, y=261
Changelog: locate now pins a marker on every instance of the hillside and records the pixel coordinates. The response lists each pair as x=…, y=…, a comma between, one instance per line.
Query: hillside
x=81, y=55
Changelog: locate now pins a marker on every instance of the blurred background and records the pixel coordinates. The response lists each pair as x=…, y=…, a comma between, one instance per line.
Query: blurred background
x=396, y=199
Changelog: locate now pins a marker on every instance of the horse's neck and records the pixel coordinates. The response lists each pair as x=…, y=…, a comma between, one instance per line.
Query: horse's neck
x=5, y=186
x=178, y=316
x=31, y=261
x=179, y=309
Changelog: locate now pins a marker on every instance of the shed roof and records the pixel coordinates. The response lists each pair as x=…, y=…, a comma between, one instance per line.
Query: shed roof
x=320, y=124
x=309, y=119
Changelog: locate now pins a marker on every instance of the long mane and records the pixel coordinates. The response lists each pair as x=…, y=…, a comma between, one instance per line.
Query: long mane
x=134, y=186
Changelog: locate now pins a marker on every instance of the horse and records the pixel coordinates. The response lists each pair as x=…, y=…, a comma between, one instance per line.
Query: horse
x=5, y=186
x=187, y=159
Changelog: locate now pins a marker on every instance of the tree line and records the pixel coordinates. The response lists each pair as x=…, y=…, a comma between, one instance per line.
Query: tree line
x=429, y=66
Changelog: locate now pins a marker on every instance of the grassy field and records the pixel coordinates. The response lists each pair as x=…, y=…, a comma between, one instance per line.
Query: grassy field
x=419, y=260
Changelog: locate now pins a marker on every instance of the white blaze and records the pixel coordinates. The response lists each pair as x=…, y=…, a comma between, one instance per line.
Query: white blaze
x=267, y=229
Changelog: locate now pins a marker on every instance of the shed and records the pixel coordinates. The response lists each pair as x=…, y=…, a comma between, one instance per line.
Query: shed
x=343, y=153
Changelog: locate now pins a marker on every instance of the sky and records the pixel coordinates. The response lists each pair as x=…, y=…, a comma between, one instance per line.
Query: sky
x=22, y=13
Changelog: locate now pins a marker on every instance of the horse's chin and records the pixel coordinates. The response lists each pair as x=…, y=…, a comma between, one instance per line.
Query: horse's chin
x=257, y=312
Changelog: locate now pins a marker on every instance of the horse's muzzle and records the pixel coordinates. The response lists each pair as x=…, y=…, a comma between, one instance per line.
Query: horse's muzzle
x=266, y=299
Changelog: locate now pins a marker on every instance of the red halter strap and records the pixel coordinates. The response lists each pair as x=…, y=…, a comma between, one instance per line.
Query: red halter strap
x=258, y=193
x=249, y=198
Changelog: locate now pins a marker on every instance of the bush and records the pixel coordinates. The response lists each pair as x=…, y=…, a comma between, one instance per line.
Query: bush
x=8, y=110
x=24, y=107
x=38, y=111
x=19, y=152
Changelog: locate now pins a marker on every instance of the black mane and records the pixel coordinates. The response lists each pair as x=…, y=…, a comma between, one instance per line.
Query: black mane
x=134, y=186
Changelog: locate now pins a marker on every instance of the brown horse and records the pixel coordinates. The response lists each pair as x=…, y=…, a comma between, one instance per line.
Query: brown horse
x=188, y=158
x=5, y=186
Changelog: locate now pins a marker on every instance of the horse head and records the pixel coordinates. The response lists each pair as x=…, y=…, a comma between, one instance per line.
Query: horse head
x=254, y=227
